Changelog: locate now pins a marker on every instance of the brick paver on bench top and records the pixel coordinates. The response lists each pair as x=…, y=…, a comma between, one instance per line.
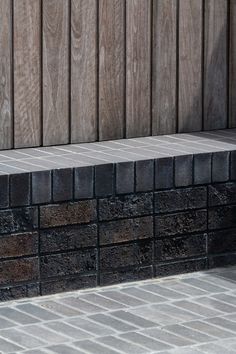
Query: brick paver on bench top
x=185, y=314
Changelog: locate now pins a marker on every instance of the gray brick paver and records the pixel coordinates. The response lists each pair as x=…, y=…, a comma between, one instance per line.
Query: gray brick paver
x=184, y=314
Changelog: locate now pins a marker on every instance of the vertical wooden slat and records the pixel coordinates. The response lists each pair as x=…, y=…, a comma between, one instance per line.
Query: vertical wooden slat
x=55, y=72
x=215, y=65
x=5, y=75
x=27, y=73
x=164, y=67
x=232, y=66
x=83, y=71
x=138, y=53
x=111, y=69
x=190, y=65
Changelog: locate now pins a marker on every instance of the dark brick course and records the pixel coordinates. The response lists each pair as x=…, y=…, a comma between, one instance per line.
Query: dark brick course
x=126, y=206
x=180, y=247
x=180, y=199
x=4, y=191
x=181, y=223
x=126, y=230
x=20, y=188
x=121, y=222
x=67, y=213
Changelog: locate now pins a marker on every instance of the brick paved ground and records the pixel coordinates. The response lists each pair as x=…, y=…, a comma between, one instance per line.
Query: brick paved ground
x=187, y=314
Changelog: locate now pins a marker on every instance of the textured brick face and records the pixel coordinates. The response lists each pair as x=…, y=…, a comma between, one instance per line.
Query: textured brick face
x=19, y=270
x=125, y=206
x=180, y=199
x=68, y=238
x=68, y=264
x=137, y=254
x=126, y=230
x=116, y=225
x=181, y=223
x=20, y=219
x=67, y=213
x=222, y=217
x=180, y=247
x=18, y=245
x=222, y=194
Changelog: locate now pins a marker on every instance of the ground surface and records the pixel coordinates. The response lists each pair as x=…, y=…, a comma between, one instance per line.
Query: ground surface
x=186, y=314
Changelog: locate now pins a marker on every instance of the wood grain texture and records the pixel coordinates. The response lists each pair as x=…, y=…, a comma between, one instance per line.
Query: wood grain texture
x=5, y=75
x=138, y=61
x=27, y=73
x=55, y=72
x=83, y=71
x=111, y=68
x=190, y=65
x=164, y=67
x=232, y=66
x=215, y=65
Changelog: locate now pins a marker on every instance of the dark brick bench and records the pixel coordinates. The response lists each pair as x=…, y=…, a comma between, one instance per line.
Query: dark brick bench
x=101, y=213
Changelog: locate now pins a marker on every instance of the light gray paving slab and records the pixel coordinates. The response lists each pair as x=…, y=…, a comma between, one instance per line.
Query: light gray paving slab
x=20, y=338
x=162, y=291
x=91, y=327
x=145, y=341
x=183, y=314
x=167, y=337
x=113, y=323
x=125, y=346
x=213, y=348
x=189, y=333
x=209, y=329
x=81, y=305
x=94, y=347
x=143, y=295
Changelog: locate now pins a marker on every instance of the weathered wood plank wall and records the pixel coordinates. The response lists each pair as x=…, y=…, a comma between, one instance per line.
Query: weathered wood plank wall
x=84, y=70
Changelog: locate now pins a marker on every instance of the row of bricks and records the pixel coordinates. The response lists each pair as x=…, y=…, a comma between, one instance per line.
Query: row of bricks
x=221, y=198
x=78, y=238
x=104, y=180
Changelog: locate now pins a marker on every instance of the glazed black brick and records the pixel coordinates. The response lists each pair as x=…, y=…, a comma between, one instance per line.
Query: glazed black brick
x=180, y=267
x=126, y=275
x=220, y=166
x=202, y=168
x=125, y=230
x=180, y=223
x=125, y=177
x=167, y=249
x=233, y=165
x=59, y=265
x=19, y=219
x=183, y=170
x=68, y=284
x=19, y=291
x=164, y=173
x=41, y=187
x=18, y=245
x=180, y=199
x=144, y=175
x=104, y=180
x=221, y=194
x=19, y=270
x=84, y=182
x=135, y=254
x=4, y=191
x=62, y=214
x=126, y=206
x=222, y=241
x=222, y=217
x=62, y=184
x=68, y=238
x=20, y=189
